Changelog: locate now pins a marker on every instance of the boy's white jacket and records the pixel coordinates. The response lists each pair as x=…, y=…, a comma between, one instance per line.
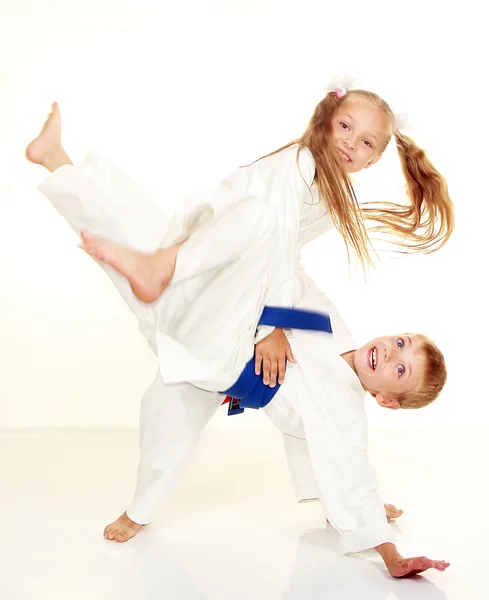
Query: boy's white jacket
x=320, y=410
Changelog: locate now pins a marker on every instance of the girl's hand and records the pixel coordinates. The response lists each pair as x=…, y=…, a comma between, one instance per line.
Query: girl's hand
x=271, y=355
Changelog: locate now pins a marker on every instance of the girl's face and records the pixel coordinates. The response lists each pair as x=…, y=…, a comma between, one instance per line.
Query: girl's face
x=361, y=132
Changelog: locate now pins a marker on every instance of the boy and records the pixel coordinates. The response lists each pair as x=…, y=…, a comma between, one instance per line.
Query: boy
x=203, y=330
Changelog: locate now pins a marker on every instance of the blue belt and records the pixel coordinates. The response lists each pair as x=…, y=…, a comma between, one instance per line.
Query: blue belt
x=249, y=391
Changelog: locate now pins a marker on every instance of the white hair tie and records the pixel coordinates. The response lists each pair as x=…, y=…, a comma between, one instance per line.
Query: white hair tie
x=402, y=121
x=340, y=84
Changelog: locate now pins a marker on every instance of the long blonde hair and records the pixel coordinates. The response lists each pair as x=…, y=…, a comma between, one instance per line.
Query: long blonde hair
x=423, y=226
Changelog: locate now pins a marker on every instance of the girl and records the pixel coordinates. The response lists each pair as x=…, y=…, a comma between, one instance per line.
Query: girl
x=348, y=132
x=260, y=216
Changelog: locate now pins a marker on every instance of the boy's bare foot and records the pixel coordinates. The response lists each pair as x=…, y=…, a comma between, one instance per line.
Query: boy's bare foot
x=46, y=149
x=148, y=274
x=121, y=530
x=391, y=512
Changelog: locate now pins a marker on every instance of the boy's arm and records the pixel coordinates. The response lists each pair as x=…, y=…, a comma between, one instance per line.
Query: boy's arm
x=301, y=474
x=347, y=487
x=407, y=567
x=346, y=484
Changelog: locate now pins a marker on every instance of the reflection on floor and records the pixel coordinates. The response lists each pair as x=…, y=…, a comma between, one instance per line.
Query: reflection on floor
x=232, y=529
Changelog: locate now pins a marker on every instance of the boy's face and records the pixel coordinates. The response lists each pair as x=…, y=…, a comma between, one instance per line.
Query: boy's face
x=389, y=366
x=360, y=130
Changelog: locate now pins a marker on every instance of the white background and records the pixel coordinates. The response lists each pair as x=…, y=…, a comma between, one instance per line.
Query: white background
x=180, y=93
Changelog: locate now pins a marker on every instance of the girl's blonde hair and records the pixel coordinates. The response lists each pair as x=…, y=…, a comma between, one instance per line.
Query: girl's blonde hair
x=422, y=226
x=433, y=379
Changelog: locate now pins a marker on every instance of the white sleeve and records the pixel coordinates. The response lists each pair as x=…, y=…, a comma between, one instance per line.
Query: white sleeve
x=301, y=172
x=347, y=486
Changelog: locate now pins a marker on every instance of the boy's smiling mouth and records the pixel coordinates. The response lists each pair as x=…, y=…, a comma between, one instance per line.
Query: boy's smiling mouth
x=372, y=358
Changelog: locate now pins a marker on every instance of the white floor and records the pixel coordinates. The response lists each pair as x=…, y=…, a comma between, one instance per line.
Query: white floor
x=232, y=530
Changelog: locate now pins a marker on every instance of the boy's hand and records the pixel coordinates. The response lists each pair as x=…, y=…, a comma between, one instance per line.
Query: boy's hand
x=407, y=567
x=270, y=356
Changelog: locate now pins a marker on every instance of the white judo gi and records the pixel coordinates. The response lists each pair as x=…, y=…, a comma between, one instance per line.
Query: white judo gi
x=203, y=327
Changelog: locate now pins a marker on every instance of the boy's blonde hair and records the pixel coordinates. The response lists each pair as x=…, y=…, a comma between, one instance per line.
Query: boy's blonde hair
x=422, y=226
x=433, y=379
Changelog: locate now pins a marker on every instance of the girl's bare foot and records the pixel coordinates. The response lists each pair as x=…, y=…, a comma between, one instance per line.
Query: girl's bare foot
x=46, y=149
x=148, y=274
x=121, y=530
x=391, y=512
